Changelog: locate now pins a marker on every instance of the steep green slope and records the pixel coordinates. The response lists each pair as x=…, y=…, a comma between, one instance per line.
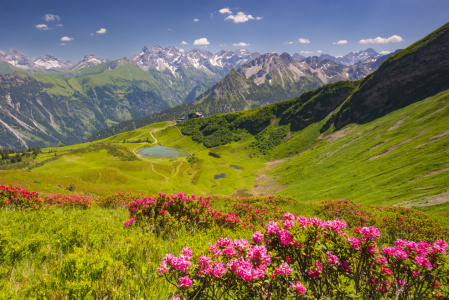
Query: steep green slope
x=414, y=73
x=401, y=158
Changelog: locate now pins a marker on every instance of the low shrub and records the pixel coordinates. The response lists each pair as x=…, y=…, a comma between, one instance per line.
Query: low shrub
x=300, y=258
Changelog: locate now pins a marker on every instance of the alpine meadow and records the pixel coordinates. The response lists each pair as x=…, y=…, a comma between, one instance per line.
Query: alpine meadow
x=231, y=174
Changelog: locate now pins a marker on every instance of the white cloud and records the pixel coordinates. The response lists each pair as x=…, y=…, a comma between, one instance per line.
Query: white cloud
x=195, y=20
x=201, y=42
x=225, y=10
x=319, y=51
x=184, y=43
x=307, y=52
x=259, y=18
x=289, y=43
x=50, y=17
x=384, y=52
x=379, y=40
x=42, y=27
x=241, y=17
x=340, y=42
x=304, y=41
x=66, y=39
x=223, y=45
x=101, y=31
x=59, y=25
x=63, y=44
x=170, y=29
x=240, y=45
x=91, y=34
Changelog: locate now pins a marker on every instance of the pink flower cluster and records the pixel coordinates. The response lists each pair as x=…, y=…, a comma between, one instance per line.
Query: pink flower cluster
x=180, y=263
x=300, y=289
x=247, y=261
x=130, y=221
x=284, y=270
x=369, y=233
x=196, y=211
x=332, y=259
x=418, y=251
x=185, y=281
x=294, y=248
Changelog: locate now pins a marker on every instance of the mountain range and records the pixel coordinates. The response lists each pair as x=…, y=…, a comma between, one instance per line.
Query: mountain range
x=409, y=76
x=46, y=101
x=267, y=79
x=170, y=58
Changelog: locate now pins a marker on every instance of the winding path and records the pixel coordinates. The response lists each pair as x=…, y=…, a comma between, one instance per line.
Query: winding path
x=147, y=160
x=151, y=133
x=177, y=168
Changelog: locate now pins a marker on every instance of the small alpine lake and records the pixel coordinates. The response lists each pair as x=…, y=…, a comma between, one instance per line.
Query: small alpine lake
x=162, y=152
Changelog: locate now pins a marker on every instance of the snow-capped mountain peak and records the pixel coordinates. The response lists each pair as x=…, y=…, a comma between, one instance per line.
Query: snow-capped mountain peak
x=50, y=61
x=173, y=58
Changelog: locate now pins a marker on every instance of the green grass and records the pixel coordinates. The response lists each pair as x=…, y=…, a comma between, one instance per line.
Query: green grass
x=401, y=158
x=61, y=254
x=108, y=166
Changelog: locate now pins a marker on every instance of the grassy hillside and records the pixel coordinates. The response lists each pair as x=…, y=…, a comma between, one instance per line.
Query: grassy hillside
x=399, y=159
x=111, y=165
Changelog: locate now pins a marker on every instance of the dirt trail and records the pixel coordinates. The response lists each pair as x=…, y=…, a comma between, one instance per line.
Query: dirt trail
x=151, y=133
x=146, y=159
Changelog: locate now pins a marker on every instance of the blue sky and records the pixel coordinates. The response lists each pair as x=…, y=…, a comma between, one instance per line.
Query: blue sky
x=115, y=29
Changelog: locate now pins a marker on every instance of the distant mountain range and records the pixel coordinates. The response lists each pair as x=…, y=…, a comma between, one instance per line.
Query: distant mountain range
x=169, y=58
x=267, y=79
x=45, y=101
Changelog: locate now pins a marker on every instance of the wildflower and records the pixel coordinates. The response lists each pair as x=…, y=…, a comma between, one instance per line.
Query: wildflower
x=203, y=261
x=422, y=261
x=298, y=287
x=400, y=254
x=284, y=269
x=288, y=224
x=332, y=259
x=354, y=242
x=185, y=281
x=285, y=237
x=439, y=246
x=257, y=237
x=386, y=270
x=370, y=232
x=187, y=251
x=232, y=264
x=229, y=251
x=345, y=266
x=272, y=227
x=289, y=216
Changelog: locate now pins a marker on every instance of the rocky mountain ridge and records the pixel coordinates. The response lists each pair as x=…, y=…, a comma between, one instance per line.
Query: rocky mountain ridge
x=170, y=58
x=267, y=79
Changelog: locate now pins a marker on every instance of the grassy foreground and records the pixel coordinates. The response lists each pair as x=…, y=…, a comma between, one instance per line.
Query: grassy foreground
x=72, y=253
